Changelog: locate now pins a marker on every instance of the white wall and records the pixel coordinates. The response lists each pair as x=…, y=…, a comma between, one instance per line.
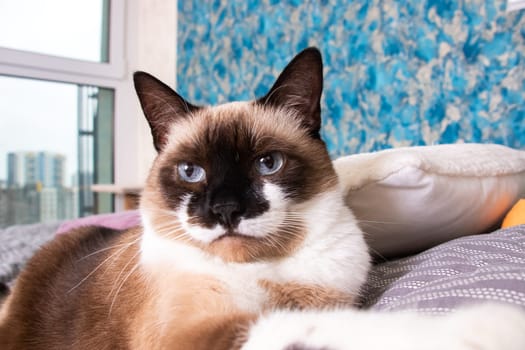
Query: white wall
x=151, y=34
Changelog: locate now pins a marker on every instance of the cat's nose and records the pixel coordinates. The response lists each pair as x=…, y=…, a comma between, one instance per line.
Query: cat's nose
x=227, y=212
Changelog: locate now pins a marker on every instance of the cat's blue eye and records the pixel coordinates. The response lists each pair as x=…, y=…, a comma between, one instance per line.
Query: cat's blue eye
x=190, y=172
x=269, y=163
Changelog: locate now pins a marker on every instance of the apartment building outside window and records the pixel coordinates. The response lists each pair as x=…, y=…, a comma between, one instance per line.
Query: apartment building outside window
x=58, y=79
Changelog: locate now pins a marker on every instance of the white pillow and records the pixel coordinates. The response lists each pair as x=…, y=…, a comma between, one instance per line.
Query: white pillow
x=412, y=198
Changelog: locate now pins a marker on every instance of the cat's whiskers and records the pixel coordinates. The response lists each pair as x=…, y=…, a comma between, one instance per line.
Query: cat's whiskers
x=184, y=236
x=174, y=234
x=131, y=271
x=252, y=253
x=281, y=236
x=271, y=239
x=107, y=248
x=281, y=232
x=299, y=217
x=164, y=211
x=289, y=233
x=173, y=231
x=108, y=266
x=278, y=233
x=168, y=226
x=164, y=222
x=115, y=256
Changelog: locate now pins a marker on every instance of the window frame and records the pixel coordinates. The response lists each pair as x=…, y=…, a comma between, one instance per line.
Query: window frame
x=111, y=74
x=142, y=36
x=35, y=65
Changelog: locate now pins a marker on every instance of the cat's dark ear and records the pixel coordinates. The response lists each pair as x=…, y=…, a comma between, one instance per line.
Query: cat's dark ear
x=299, y=87
x=161, y=106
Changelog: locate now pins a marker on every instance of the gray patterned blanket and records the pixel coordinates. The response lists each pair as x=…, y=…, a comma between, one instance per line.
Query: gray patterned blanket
x=472, y=269
x=489, y=267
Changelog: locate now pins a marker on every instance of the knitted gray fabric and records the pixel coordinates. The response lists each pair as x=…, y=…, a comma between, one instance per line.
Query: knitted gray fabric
x=17, y=245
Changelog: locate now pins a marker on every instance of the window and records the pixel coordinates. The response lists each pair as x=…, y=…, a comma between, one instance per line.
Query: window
x=125, y=36
x=57, y=140
x=58, y=80
x=42, y=27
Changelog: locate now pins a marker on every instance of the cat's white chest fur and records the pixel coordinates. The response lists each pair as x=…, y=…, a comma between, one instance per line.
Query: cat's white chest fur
x=333, y=255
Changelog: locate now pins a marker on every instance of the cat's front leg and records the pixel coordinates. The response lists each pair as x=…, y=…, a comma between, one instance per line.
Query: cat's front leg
x=300, y=296
x=488, y=327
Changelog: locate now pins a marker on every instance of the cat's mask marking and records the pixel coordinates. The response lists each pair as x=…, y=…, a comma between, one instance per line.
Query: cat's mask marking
x=232, y=149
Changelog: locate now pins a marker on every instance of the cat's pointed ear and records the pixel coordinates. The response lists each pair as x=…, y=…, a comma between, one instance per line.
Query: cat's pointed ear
x=161, y=106
x=299, y=87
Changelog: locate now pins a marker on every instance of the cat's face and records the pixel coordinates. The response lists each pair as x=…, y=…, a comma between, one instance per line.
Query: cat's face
x=232, y=179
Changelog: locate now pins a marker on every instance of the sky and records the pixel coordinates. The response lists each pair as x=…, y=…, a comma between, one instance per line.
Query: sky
x=39, y=115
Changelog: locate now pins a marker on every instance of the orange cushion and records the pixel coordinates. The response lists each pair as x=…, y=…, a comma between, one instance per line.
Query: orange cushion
x=516, y=215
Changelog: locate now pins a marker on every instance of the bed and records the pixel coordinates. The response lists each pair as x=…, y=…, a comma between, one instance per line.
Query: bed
x=431, y=216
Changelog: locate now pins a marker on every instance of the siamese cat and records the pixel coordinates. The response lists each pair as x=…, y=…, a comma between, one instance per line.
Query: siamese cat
x=245, y=243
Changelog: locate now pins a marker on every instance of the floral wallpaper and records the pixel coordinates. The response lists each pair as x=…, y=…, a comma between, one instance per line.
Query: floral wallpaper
x=397, y=72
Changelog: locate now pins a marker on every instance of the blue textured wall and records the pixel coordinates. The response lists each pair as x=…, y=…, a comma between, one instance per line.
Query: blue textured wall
x=397, y=73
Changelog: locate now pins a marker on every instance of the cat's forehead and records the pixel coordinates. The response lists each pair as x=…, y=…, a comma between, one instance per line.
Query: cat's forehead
x=239, y=125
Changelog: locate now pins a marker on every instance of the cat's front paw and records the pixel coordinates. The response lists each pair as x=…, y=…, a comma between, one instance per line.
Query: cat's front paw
x=301, y=346
x=487, y=327
x=293, y=330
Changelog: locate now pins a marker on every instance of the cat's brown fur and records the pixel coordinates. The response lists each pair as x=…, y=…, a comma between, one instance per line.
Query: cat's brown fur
x=47, y=301
x=200, y=315
x=296, y=296
x=44, y=301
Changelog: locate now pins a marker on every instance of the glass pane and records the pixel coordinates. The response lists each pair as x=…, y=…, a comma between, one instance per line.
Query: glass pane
x=57, y=140
x=68, y=28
